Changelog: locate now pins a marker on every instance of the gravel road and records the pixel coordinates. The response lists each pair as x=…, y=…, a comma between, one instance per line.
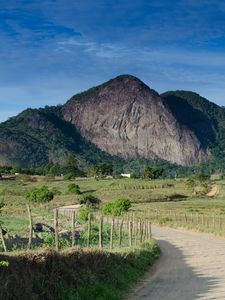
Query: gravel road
x=192, y=266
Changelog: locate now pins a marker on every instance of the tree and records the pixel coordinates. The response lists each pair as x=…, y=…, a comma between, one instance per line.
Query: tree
x=103, y=169
x=202, y=177
x=73, y=189
x=89, y=200
x=153, y=172
x=40, y=195
x=71, y=164
x=55, y=170
x=117, y=207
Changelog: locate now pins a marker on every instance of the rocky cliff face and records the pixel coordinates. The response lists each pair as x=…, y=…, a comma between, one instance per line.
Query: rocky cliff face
x=125, y=117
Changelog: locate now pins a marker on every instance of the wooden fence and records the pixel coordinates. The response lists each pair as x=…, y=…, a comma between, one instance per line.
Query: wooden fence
x=200, y=221
x=99, y=231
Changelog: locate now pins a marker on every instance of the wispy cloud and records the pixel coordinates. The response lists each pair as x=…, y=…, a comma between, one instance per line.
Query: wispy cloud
x=50, y=49
x=168, y=56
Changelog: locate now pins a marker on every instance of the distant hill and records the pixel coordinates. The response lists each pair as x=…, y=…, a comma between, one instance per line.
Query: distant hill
x=204, y=118
x=122, y=119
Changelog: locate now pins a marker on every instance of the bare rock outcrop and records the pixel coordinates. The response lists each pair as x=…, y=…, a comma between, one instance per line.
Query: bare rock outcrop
x=124, y=117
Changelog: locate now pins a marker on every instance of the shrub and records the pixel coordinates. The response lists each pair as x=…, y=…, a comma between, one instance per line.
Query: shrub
x=95, y=234
x=116, y=207
x=202, y=177
x=49, y=240
x=89, y=200
x=40, y=195
x=69, y=176
x=73, y=189
x=4, y=263
x=83, y=215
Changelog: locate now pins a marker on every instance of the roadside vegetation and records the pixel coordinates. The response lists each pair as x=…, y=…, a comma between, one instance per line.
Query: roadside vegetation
x=80, y=274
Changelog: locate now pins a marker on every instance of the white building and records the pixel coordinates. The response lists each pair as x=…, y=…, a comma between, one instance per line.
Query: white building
x=125, y=175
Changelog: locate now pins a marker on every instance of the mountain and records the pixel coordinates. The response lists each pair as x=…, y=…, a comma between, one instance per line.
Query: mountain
x=204, y=118
x=122, y=119
x=37, y=136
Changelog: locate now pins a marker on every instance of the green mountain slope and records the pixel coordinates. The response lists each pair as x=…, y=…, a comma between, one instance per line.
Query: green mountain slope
x=205, y=118
x=37, y=136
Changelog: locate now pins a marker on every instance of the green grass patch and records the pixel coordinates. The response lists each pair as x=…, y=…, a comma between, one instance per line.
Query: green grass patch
x=75, y=274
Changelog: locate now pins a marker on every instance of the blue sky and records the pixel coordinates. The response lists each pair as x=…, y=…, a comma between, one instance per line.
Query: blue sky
x=52, y=49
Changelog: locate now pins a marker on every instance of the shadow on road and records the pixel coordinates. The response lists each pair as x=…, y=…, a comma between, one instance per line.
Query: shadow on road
x=173, y=279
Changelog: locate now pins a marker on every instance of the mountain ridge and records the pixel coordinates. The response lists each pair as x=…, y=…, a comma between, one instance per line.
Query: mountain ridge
x=122, y=119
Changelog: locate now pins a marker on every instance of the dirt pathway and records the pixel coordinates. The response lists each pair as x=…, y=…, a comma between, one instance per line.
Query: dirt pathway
x=191, y=267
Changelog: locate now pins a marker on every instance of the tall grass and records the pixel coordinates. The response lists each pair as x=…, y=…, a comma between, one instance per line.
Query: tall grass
x=74, y=274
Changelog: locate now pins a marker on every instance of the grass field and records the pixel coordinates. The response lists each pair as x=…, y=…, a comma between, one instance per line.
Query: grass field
x=167, y=202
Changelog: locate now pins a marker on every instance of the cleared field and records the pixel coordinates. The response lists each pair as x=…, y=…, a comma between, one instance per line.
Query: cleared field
x=167, y=202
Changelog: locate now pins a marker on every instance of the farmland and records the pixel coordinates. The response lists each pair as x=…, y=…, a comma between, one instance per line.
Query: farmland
x=155, y=199
x=164, y=202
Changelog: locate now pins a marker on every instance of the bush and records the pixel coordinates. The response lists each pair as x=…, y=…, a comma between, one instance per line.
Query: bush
x=83, y=215
x=95, y=234
x=49, y=240
x=117, y=207
x=73, y=189
x=69, y=176
x=89, y=200
x=202, y=177
x=40, y=195
x=4, y=263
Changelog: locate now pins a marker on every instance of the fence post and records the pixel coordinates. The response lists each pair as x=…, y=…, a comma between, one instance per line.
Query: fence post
x=73, y=228
x=150, y=230
x=30, y=227
x=100, y=232
x=144, y=229
x=89, y=231
x=3, y=240
x=120, y=233
x=111, y=234
x=130, y=233
x=56, y=225
x=141, y=231
x=135, y=231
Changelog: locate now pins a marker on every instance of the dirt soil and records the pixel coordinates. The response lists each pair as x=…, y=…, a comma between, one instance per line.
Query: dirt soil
x=191, y=267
